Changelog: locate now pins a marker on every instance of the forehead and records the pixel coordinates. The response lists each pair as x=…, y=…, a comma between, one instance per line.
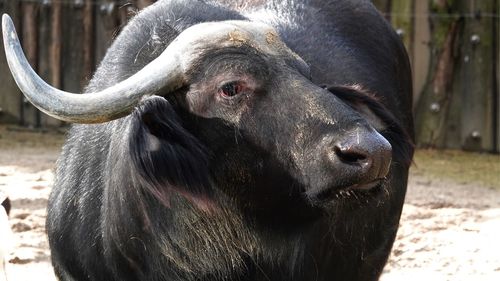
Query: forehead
x=235, y=33
x=211, y=35
x=204, y=44
x=242, y=60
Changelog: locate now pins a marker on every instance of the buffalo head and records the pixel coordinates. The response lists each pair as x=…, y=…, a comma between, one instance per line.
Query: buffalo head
x=244, y=92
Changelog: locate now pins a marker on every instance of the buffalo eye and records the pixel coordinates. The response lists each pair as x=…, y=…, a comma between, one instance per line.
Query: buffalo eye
x=231, y=89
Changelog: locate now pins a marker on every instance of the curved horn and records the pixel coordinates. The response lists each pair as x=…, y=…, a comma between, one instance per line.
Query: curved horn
x=166, y=72
x=106, y=105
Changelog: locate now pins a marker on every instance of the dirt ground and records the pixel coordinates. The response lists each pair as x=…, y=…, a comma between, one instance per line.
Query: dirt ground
x=450, y=226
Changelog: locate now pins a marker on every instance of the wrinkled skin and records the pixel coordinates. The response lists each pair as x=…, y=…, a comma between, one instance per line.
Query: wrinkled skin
x=202, y=185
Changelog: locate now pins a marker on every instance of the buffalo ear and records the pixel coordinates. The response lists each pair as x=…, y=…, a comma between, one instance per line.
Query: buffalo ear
x=374, y=111
x=163, y=153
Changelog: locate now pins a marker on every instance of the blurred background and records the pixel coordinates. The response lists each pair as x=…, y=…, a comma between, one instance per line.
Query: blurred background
x=451, y=219
x=454, y=51
x=453, y=46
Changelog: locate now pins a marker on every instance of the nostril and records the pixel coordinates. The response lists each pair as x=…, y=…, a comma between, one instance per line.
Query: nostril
x=350, y=155
x=360, y=158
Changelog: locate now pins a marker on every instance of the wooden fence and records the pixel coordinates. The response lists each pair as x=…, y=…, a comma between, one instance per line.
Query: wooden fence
x=65, y=39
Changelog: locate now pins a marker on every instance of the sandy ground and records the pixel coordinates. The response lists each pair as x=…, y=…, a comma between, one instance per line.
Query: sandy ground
x=449, y=230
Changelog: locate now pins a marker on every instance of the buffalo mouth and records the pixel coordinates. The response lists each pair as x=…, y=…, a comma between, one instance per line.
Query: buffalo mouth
x=356, y=192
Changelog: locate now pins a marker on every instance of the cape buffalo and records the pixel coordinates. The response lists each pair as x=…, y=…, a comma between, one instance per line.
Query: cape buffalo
x=268, y=140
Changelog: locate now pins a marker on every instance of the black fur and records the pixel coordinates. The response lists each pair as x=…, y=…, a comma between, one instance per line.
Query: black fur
x=197, y=186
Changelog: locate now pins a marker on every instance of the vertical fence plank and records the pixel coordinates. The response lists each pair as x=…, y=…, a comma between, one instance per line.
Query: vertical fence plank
x=455, y=109
x=496, y=76
x=55, y=45
x=105, y=25
x=403, y=23
x=44, y=43
x=88, y=42
x=421, y=50
x=72, y=45
x=29, y=38
x=434, y=103
x=10, y=101
x=54, y=54
x=477, y=85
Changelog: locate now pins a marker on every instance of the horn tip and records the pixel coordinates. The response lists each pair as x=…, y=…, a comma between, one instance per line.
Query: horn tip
x=5, y=19
x=8, y=29
x=6, y=22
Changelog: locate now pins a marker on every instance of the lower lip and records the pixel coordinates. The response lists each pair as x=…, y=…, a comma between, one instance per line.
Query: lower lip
x=365, y=186
x=328, y=194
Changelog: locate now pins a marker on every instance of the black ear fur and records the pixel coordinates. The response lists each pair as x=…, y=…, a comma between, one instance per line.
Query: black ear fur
x=164, y=155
